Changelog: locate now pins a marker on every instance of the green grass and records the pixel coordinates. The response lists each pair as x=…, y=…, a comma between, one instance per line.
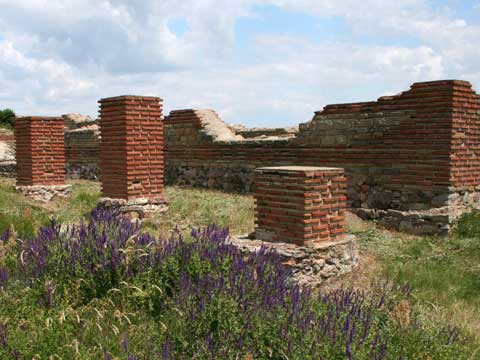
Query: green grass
x=16, y=211
x=188, y=208
x=444, y=274
x=25, y=216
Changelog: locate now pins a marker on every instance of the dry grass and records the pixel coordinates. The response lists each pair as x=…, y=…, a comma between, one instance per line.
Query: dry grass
x=189, y=208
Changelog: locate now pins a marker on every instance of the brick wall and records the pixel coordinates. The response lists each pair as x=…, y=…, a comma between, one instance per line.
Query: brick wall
x=131, y=150
x=299, y=205
x=399, y=152
x=465, y=143
x=40, y=151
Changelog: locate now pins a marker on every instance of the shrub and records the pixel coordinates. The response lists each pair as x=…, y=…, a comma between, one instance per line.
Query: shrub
x=104, y=288
x=7, y=118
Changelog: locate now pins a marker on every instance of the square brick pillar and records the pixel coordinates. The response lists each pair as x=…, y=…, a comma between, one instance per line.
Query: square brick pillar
x=131, y=147
x=301, y=205
x=40, y=151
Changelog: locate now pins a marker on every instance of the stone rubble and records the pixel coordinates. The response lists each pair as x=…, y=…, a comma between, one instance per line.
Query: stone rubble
x=45, y=193
x=434, y=221
x=137, y=208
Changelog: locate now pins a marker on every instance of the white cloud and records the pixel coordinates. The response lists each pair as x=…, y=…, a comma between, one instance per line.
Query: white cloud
x=62, y=56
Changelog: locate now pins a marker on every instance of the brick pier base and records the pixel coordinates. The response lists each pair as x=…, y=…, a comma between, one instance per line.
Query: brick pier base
x=300, y=215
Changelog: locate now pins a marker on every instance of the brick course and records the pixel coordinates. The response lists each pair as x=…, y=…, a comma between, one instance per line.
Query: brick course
x=40, y=150
x=299, y=204
x=131, y=150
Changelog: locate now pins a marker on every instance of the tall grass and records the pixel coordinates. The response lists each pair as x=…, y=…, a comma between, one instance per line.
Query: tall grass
x=443, y=272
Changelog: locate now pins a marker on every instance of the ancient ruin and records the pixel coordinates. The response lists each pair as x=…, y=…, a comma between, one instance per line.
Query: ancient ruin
x=411, y=160
x=40, y=155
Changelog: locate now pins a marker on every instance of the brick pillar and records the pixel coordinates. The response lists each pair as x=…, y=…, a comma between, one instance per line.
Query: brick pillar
x=40, y=151
x=131, y=148
x=299, y=204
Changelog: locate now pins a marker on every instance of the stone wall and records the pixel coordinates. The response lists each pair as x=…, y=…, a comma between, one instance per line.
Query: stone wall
x=82, y=145
x=82, y=148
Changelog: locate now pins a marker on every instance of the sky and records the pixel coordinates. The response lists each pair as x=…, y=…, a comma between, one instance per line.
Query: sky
x=260, y=63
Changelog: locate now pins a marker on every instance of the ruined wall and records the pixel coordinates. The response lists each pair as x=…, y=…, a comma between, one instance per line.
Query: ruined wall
x=82, y=148
x=7, y=153
x=416, y=150
x=399, y=152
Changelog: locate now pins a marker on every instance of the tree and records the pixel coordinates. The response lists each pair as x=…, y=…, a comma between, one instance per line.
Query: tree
x=7, y=118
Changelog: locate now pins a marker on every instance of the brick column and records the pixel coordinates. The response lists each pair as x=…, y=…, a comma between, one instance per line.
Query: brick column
x=300, y=204
x=131, y=148
x=40, y=151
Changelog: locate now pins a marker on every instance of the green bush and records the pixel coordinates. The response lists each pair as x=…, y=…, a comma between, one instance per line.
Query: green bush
x=7, y=118
x=468, y=226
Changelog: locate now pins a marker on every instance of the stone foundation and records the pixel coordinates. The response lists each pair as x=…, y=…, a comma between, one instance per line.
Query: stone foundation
x=311, y=265
x=45, y=193
x=137, y=208
x=231, y=179
x=82, y=171
x=434, y=221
